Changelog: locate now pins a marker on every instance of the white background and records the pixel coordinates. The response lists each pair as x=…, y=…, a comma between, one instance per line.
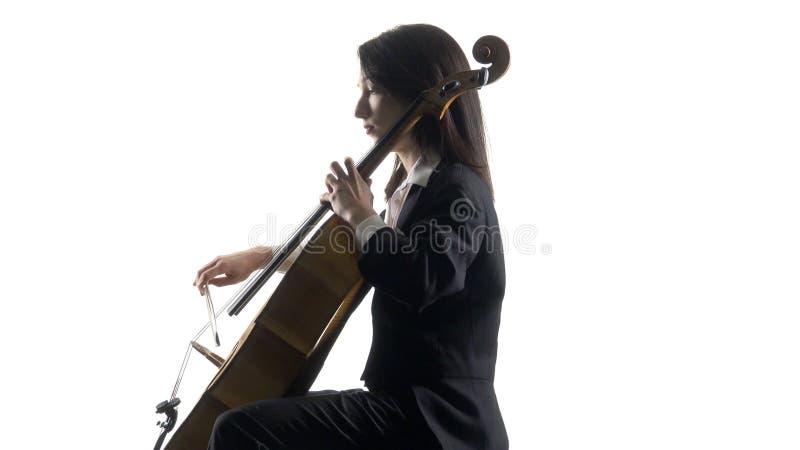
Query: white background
x=651, y=145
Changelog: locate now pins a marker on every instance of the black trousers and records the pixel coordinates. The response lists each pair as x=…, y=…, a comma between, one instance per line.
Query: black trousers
x=335, y=420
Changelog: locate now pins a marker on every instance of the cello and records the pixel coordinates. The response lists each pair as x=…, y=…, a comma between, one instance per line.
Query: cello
x=284, y=347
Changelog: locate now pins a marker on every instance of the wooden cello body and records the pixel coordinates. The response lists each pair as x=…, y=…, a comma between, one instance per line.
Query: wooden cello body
x=285, y=346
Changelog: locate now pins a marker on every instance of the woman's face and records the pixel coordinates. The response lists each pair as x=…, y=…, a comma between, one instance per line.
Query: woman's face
x=377, y=108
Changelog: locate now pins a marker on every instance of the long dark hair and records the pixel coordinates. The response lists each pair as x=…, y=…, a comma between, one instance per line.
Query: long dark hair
x=408, y=59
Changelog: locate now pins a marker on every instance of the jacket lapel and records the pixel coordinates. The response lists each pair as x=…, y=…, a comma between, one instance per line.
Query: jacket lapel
x=408, y=205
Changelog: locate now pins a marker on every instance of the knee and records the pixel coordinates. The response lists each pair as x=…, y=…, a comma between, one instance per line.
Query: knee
x=226, y=430
x=227, y=419
x=250, y=426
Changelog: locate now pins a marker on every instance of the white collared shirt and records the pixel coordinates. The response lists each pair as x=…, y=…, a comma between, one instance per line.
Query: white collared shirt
x=420, y=173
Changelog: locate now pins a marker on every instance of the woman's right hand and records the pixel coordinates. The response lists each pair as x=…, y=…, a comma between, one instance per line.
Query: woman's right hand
x=231, y=269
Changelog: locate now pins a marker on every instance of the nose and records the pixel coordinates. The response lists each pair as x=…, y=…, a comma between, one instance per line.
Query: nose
x=362, y=108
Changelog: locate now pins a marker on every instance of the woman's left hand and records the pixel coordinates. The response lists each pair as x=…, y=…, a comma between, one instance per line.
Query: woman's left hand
x=348, y=193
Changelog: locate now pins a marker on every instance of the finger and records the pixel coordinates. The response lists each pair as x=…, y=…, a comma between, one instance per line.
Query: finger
x=206, y=267
x=337, y=170
x=351, y=168
x=324, y=199
x=369, y=182
x=208, y=274
x=221, y=281
x=213, y=280
x=331, y=182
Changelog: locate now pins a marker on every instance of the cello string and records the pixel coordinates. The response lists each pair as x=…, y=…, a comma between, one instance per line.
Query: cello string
x=180, y=373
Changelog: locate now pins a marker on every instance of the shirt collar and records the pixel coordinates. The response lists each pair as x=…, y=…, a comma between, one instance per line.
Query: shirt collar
x=422, y=170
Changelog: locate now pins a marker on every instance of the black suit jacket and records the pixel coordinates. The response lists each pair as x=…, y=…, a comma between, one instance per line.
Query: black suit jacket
x=439, y=286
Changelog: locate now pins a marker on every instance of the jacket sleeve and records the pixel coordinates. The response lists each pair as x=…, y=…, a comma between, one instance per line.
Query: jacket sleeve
x=431, y=261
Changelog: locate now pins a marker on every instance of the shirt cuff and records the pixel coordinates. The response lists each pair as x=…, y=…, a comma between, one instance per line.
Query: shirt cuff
x=367, y=228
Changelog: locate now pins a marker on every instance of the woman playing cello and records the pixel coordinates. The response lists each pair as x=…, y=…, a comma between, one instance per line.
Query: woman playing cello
x=436, y=263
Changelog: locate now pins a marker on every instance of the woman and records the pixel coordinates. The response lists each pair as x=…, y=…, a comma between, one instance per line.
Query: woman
x=436, y=265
